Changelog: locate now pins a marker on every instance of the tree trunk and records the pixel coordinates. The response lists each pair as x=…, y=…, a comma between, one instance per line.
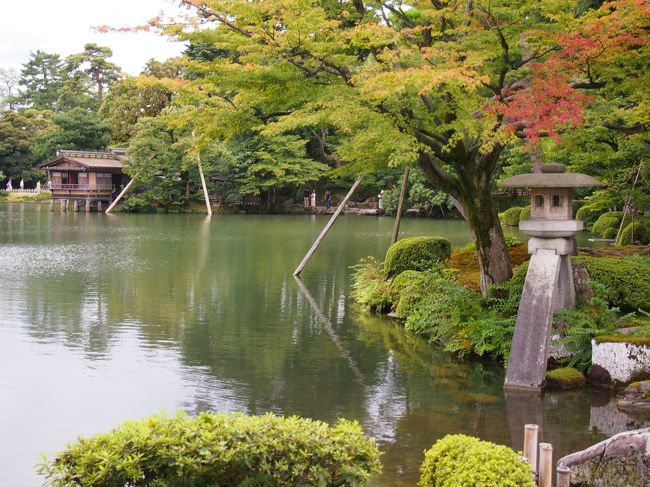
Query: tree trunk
x=483, y=220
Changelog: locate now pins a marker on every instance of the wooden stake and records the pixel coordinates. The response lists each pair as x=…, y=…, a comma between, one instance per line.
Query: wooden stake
x=563, y=476
x=205, y=189
x=400, y=206
x=318, y=240
x=545, y=465
x=530, y=445
x=119, y=197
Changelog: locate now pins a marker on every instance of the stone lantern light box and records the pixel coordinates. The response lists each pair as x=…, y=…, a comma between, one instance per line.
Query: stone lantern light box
x=549, y=281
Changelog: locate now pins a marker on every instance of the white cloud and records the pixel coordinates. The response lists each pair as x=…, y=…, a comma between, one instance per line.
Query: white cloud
x=64, y=26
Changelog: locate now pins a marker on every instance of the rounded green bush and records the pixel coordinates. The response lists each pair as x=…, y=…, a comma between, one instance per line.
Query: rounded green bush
x=636, y=232
x=525, y=213
x=415, y=253
x=510, y=217
x=627, y=279
x=610, y=233
x=218, y=449
x=611, y=219
x=401, y=281
x=459, y=460
x=588, y=214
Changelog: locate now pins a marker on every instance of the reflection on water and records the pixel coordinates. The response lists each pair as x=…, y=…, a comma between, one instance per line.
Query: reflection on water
x=106, y=318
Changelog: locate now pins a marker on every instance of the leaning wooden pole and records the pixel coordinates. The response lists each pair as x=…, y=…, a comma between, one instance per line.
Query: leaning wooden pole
x=317, y=242
x=400, y=206
x=205, y=188
x=119, y=196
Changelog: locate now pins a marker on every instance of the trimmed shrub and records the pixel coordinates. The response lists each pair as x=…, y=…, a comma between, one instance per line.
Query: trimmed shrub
x=606, y=221
x=610, y=233
x=626, y=279
x=400, y=282
x=590, y=213
x=525, y=213
x=637, y=231
x=415, y=253
x=217, y=449
x=510, y=217
x=457, y=460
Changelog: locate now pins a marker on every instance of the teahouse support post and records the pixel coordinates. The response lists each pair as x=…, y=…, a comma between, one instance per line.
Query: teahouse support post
x=400, y=206
x=318, y=240
x=119, y=196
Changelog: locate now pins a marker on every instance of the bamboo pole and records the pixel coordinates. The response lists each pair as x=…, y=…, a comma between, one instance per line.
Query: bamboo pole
x=119, y=196
x=563, y=476
x=545, y=465
x=400, y=206
x=318, y=240
x=530, y=445
x=205, y=189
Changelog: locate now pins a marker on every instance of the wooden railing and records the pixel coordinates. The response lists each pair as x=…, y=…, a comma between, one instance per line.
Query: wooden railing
x=85, y=187
x=24, y=191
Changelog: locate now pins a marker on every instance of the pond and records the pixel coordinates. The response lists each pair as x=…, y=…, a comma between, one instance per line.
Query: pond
x=108, y=318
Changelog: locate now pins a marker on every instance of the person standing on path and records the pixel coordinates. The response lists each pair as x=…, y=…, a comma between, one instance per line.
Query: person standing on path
x=328, y=199
x=9, y=186
x=380, y=200
x=22, y=184
x=313, y=198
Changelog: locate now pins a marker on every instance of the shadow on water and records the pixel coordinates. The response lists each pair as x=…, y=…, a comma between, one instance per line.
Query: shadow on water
x=110, y=318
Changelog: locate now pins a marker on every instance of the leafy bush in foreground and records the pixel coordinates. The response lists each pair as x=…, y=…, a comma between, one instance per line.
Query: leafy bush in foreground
x=369, y=288
x=415, y=253
x=459, y=460
x=215, y=449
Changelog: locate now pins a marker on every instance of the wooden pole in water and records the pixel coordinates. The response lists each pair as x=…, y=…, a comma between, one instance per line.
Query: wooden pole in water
x=205, y=189
x=530, y=445
x=400, y=206
x=545, y=465
x=318, y=240
x=119, y=196
x=563, y=476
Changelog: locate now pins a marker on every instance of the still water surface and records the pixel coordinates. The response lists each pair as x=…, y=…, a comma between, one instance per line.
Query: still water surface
x=107, y=318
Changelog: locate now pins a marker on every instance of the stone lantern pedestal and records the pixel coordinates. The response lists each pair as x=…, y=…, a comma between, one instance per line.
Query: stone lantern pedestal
x=549, y=283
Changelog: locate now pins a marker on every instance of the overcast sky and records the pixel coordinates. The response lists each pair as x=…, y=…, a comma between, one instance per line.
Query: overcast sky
x=64, y=26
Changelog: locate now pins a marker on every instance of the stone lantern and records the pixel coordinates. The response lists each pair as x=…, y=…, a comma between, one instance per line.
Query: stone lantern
x=549, y=283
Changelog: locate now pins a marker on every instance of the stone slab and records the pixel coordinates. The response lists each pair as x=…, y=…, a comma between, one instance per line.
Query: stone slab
x=622, y=361
x=538, y=227
x=561, y=246
x=527, y=361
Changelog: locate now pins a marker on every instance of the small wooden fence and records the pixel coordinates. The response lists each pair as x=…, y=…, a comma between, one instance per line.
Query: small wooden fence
x=540, y=458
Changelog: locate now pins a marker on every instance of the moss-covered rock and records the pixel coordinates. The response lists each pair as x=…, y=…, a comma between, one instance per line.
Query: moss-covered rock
x=415, y=253
x=636, y=232
x=510, y=217
x=627, y=279
x=525, y=213
x=565, y=378
x=607, y=221
x=457, y=460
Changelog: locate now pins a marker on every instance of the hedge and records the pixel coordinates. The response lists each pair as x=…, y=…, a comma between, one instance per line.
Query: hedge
x=588, y=214
x=510, y=217
x=627, y=279
x=459, y=460
x=415, y=253
x=636, y=232
x=606, y=221
x=216, y=449
x=525, y=213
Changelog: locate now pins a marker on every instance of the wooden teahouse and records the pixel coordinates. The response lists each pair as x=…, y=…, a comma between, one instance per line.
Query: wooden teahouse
x=91, y=179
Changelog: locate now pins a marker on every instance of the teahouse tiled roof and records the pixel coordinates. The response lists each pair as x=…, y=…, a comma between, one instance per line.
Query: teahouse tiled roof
x=91, y=160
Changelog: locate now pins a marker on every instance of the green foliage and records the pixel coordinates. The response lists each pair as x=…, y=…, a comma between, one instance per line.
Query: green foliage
x=421, y=196
x=398, y=285
x=610, y=233
x=459, y=460
x=76, y=129
x=626, y=280
x=415, y=253
x=369, y=287
x=215, y=449
x=637, y=231
x=41, y=80
x=525, y=213
x=511, y=216
x=607, y=221
x=565, y=378
x=19, y=132
x=590, y=213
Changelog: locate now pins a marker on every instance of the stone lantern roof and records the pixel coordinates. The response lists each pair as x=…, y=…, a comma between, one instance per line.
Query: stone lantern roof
x=552, y=176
